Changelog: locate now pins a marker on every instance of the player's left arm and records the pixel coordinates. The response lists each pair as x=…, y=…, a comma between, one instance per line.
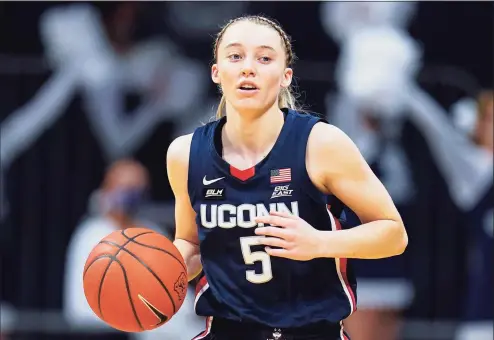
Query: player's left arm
x=336, y=166
x=340, y=168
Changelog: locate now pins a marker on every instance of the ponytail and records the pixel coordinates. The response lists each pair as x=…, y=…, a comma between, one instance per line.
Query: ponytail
x=221, y=110
x=286, y=99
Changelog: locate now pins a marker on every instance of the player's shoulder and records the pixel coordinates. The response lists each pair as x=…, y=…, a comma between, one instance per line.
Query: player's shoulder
x=179, y=150
x=325, y=136
x=327, y=131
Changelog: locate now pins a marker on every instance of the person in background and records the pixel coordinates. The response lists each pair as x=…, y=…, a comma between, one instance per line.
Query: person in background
x=375, y=69
x=115, y=206
x=465, y=160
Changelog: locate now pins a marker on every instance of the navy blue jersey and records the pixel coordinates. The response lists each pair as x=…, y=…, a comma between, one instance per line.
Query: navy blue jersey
x=480, y=223
x=242, y=282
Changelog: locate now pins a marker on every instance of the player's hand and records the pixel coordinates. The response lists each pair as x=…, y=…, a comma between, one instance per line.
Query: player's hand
x=293, y=237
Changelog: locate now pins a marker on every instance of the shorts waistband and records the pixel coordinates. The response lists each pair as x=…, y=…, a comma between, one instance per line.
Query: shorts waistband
x=319, y=328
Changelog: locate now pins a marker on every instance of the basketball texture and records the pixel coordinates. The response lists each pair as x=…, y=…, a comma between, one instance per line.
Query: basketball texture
x=135, y=280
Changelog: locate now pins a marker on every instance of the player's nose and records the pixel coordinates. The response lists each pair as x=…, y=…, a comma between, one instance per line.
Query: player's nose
x=248, y=67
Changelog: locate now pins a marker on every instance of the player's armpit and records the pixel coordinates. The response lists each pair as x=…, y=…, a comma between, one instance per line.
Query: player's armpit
x=336, y=166
x=186, y=235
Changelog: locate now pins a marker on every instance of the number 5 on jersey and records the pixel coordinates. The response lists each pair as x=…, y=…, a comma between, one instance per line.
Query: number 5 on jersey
x=254, y=256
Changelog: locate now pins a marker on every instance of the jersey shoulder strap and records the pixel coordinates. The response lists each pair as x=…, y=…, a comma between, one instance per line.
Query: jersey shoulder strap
x=296, y=147
x=199, y=157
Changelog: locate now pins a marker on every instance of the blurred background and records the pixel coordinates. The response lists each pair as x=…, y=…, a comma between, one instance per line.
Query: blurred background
x=92, y=94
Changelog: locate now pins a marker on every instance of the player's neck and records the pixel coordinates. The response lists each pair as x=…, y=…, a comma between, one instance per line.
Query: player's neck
x=252, y=134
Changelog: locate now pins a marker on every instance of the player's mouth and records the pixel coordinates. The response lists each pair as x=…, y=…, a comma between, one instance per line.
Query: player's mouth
x=247, y=87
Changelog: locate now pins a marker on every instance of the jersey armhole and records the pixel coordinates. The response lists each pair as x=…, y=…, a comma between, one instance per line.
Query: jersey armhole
x=194, y=162
x=307, y=184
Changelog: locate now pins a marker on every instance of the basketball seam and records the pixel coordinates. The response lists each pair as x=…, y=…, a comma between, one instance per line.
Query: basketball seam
x=112, y=258
x=97, y=258
x=127, y=286
x=133, y=240
x=148, y=268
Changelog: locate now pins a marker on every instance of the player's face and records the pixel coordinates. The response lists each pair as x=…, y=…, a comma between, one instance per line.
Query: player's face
x=251, y=66
x=486, y=132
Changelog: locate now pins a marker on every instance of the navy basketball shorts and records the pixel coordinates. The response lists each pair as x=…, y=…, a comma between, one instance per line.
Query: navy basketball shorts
x=221, y=329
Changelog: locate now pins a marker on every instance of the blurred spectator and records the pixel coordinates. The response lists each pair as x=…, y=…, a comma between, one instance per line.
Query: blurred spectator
x=463, y=155
x=341, y=19
x=99, y=56
x=465, y=158
x=115, y=207
x=377, y=65
x=112, y=64
x=96, y=53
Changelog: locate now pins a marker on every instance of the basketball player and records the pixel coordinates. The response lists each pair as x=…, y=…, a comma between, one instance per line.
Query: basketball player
x=251, y=192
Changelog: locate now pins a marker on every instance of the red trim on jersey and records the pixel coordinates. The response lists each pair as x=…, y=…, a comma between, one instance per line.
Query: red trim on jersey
x=209, y=321
x=242, y=175
x=343, y=267
x=202, y=282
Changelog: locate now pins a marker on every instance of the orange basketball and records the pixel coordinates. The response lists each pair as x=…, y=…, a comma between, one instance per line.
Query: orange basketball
x=135, y=280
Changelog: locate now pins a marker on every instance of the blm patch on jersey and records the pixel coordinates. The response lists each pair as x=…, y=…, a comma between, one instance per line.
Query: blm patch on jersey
x=214, y=193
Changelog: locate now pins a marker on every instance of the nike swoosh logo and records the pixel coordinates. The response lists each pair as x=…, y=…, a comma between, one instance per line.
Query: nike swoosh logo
x=206, y=182
x=162, y=318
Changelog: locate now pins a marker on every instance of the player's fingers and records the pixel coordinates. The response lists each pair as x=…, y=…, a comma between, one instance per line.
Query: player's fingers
x=277, y=252
x=273, y=242
x=274, y=220
x=283, y=214
x=271, y=231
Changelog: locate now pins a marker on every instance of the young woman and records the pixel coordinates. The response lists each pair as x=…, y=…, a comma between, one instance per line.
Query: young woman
x=252, y=191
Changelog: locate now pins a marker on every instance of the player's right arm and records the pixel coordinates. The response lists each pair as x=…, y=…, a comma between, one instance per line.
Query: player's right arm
x=186, y=236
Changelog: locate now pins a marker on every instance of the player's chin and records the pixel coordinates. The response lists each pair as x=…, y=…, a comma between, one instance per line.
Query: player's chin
x=249, y=101
x=250, y=105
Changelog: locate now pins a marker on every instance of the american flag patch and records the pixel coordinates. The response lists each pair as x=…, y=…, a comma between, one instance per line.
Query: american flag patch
x=281, y=175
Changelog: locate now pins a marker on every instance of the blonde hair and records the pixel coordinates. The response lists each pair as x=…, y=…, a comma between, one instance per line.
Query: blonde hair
x=287, y=97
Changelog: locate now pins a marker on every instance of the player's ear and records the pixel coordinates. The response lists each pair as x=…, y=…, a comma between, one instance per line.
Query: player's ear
x=215, y=74
x=287, y=77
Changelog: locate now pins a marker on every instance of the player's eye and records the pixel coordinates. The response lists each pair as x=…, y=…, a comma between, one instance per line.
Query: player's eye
x=234, y=56
x=265, y=59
